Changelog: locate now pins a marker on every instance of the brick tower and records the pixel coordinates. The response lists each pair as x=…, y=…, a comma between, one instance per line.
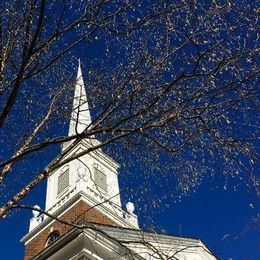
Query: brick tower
x=85, y=190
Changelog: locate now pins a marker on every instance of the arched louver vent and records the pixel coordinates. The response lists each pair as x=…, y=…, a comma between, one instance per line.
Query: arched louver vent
x=100, y=179
x=63, y=180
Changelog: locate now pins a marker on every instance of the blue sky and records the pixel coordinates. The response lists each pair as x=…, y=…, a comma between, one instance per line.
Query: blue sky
x=226, y=220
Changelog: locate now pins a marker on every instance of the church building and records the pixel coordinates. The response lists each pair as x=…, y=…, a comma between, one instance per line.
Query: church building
x=85, y=193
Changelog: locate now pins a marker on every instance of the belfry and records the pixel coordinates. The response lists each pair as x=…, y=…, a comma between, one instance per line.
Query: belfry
x=85, y=192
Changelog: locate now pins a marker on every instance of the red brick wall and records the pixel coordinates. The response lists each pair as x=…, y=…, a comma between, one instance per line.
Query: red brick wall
x=73, y=215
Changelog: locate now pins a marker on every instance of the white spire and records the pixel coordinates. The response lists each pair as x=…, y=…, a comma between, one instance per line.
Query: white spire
x=80, y=116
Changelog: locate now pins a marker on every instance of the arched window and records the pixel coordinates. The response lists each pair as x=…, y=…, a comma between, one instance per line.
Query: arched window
x=55, y=235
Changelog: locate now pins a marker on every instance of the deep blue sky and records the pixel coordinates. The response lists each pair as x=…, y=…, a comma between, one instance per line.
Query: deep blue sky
x=222, y=219
x=227, y=221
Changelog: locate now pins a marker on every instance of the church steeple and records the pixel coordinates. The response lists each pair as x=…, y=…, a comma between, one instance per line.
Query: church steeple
x=92, y=177
x=84, y=190
x=80, y=115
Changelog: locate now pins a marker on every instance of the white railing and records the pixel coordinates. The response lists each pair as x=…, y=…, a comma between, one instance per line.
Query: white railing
x=125, y=217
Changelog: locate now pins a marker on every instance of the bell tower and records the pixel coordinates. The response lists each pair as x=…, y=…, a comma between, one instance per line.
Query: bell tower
x=84, y=190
